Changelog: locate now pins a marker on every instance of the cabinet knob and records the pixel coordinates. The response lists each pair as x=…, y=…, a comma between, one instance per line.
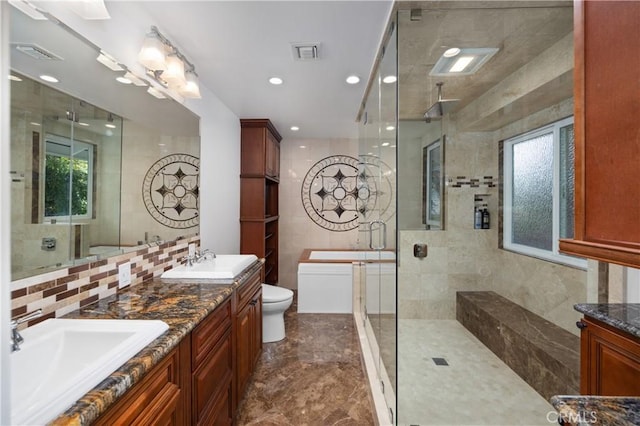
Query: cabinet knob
x=581, y=325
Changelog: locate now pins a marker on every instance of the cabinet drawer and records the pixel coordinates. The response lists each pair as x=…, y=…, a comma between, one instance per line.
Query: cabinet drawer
x=154, y=400
x=212, y=379
x=208, y=332
x=246, y=291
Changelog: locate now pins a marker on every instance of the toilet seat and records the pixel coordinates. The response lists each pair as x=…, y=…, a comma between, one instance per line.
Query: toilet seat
x=273, y=294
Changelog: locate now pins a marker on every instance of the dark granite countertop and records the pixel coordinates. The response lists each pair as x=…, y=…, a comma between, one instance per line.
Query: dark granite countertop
x=597, y=410
x=623, y=316
x=182, y=304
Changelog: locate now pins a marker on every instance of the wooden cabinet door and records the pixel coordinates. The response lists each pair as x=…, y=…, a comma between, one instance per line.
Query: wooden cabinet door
x=211, y=381
x=155, y=400
x=244, y=358
x=257, y=328
x=610, y=361
x=607, y=146
x=272, y=153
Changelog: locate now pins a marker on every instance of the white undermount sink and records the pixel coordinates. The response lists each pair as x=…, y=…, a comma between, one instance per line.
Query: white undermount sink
x=62, y=359
x=224, y=266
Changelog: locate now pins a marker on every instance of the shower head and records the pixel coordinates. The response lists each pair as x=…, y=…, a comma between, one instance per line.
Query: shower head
x=441, y=107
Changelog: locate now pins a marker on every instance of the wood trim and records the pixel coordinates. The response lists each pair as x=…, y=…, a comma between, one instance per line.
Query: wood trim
x=306, y=253
x=261, y=122
x=626, y=256
x=579, y=121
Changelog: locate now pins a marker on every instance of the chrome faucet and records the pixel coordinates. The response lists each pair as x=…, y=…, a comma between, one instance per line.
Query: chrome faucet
x=189, y=260
x=16, y=338
x=202, y=255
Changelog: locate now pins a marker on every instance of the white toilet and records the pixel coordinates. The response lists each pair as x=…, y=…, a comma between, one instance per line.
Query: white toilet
x=275, y=300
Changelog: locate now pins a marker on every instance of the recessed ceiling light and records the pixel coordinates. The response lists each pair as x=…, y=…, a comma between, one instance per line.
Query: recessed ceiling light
x=353, y=79
x=109, y=125
x=390, y=79
x=82, y=123
x=295, y=128
x=14, y=78
x=108, y=61
x=450, y=53
x=386, y=144
x=123, y=80
x=276, y=81
x=390, y=128
x=33, y=123
x=155, y=93
x=49, y=78
x=302, y=146
x=134, y=79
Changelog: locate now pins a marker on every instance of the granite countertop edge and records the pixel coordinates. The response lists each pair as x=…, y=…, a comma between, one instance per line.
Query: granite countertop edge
x=588, y=409
x=98, y=400
x=623, y=316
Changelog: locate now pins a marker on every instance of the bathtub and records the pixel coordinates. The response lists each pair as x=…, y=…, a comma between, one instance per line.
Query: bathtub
x=325, y=278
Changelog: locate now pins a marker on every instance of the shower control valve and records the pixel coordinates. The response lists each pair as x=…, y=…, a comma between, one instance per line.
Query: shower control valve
x=420, y=250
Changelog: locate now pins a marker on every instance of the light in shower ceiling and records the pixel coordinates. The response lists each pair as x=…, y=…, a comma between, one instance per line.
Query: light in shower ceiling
x=466, y=62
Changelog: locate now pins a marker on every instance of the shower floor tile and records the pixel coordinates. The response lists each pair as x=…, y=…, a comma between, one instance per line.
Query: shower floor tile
x=475, y=388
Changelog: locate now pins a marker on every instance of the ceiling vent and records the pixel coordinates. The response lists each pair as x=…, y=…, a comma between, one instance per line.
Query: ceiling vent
x=305, y=51
x=36, y=52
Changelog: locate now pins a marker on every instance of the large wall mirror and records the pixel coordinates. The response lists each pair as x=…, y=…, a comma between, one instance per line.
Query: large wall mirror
x=98, y=166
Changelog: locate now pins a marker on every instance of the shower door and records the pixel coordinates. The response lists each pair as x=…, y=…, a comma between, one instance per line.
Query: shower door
x=377, y=190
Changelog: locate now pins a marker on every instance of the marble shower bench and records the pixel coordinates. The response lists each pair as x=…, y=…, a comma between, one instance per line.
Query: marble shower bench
x=543, y=354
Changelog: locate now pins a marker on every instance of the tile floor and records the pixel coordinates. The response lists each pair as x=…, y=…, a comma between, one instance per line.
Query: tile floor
x=313, y=377
x=476, y=388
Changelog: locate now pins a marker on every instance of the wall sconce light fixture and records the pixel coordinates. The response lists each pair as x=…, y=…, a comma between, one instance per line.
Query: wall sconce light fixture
x=167, y=65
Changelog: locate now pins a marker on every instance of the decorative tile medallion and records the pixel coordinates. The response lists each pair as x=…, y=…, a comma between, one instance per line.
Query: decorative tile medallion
x=170, y=191
x=337, y=189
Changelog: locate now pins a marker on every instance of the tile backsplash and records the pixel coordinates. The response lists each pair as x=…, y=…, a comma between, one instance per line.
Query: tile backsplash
x=64, y=290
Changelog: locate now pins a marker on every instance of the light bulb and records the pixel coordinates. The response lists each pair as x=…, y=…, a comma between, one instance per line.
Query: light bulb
x=191, y=88
x=151, y=54
x=174, y=74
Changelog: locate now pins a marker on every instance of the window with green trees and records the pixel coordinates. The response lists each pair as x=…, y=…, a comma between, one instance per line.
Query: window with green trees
x=68, y=178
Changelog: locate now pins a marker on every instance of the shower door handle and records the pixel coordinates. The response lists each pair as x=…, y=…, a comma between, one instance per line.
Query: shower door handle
x=384, y=235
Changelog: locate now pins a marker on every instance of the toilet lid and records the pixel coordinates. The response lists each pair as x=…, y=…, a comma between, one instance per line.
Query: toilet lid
x=271, y=293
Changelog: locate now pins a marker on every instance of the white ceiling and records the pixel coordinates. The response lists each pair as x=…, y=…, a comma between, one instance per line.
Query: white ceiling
x=237, y=45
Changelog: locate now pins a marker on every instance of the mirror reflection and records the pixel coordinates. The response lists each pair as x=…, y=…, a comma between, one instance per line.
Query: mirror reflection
x=98, y=165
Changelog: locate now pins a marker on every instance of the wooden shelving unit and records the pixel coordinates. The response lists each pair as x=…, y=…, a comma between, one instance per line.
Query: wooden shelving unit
x=259, y=186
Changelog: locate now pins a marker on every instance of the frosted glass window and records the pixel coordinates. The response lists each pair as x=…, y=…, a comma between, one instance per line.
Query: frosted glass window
x=539, y=192
x=532, y=205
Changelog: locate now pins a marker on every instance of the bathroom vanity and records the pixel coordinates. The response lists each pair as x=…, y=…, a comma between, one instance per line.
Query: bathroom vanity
x=197, y=371
x=609, y=367
x=610, y=349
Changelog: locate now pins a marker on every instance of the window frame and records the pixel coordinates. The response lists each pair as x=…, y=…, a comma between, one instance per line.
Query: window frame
x=554, y=254
x=62, y=140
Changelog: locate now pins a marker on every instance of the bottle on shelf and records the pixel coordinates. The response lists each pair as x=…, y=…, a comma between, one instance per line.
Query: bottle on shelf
x=486, y=218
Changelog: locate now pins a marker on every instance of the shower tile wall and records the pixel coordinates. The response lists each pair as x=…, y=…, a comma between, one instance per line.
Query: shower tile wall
x=297, y=230
x=463, y=258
